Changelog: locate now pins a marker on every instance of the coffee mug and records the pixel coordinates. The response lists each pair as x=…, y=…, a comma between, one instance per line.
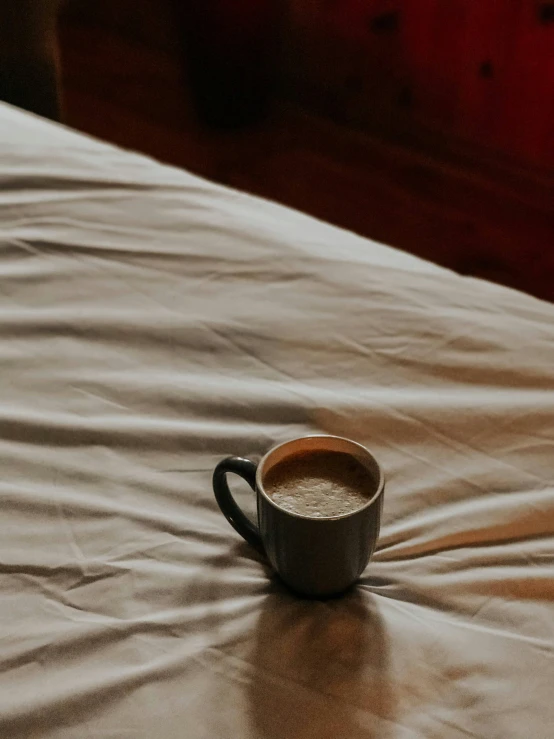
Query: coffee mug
x=314, y=556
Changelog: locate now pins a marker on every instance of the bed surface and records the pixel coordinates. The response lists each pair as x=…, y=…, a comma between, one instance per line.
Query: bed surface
x=152, y=323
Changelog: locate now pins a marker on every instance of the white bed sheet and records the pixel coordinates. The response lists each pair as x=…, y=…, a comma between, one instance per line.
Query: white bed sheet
x=151, y=323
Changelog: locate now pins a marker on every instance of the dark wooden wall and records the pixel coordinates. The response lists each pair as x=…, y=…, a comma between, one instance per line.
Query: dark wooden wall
x=479, y=70
x=152, y=23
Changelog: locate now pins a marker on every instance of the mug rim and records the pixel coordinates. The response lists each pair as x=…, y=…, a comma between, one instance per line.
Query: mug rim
x=378, y=492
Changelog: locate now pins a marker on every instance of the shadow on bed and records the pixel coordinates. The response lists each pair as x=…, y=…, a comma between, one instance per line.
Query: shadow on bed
x=320, y=668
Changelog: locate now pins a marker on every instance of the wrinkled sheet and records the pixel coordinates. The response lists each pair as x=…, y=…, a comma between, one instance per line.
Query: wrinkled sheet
x=151, y=323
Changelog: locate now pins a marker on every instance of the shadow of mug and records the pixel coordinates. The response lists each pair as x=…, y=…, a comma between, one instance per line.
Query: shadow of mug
x=320, y=668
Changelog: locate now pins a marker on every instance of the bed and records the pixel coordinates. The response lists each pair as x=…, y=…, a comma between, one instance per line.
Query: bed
x=152, y=323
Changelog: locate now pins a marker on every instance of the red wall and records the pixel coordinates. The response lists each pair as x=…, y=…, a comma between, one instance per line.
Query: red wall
x=481, y=69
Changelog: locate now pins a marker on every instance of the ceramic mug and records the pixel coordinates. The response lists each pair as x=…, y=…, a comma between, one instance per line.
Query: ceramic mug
x=315, y=556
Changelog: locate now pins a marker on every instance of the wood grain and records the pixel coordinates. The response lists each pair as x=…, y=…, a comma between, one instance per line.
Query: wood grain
x=482, y=70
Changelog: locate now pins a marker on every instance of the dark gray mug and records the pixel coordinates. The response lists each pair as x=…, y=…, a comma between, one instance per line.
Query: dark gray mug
x=318, y=557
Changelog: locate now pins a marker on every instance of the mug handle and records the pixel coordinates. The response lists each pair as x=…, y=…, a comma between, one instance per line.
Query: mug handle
x=247, y=470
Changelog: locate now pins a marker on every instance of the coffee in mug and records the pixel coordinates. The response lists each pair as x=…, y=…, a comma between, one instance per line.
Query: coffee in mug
x=319, y=483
